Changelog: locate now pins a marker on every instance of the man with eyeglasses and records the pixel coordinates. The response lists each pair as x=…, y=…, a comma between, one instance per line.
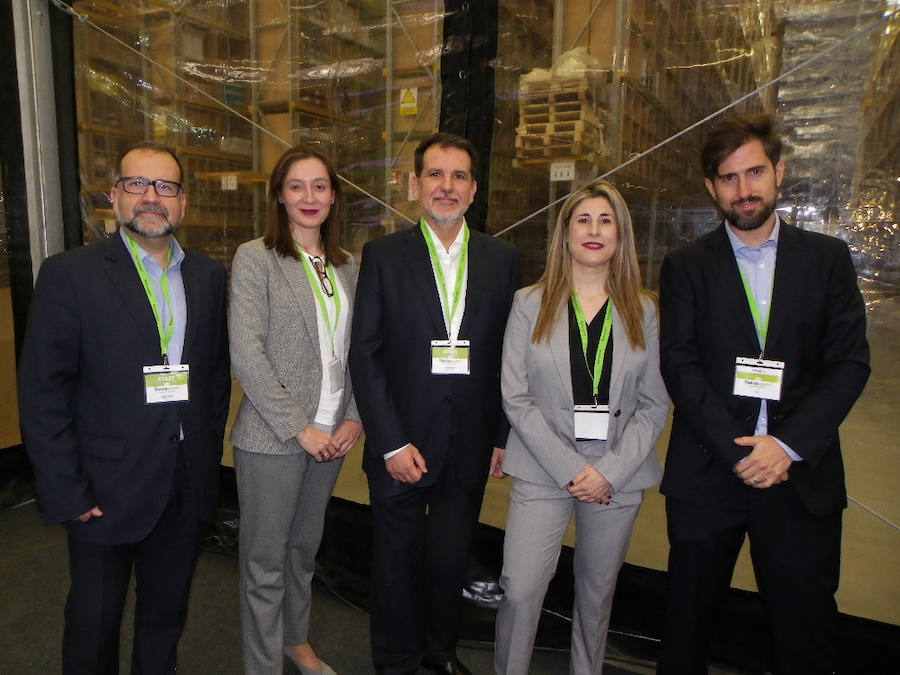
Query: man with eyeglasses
x=124, y=385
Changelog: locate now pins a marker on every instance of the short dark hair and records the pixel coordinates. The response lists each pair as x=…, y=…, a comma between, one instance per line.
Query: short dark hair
x=728, y=136
x=278, y=230
x=445, y=140
x=151, y=146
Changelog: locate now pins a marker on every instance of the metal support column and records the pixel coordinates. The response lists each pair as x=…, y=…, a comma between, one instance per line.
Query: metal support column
x=37, y=105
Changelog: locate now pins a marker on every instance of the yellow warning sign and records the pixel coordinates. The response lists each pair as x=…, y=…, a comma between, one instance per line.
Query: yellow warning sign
x=409, y=101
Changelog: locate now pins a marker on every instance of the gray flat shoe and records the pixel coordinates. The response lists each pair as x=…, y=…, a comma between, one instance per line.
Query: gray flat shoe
x=324, y=670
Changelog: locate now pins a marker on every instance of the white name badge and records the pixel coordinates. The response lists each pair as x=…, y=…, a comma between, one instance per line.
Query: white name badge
x=166, y=384
x=758, y=378
x=335, y=375
x=449, y=358
x=591, y=422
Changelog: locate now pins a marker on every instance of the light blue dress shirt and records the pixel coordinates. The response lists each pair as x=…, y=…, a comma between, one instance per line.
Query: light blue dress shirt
x=176, y=293
x=758, y=266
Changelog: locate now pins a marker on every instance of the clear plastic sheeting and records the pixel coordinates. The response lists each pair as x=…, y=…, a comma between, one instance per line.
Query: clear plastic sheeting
x=581, y=88
x=230, y=84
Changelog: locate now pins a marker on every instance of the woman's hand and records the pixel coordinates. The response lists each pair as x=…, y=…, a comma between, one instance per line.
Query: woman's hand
x=590, y=486
x=346, y=436
x=319, y=444
x=497, y=463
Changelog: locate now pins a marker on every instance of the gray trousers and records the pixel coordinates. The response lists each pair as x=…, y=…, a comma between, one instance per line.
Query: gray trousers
x=282, y=501
x=537, y=521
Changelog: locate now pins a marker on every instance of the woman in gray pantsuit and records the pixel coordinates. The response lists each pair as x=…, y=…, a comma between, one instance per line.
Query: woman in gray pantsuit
x=583, y=393
x=289, y=321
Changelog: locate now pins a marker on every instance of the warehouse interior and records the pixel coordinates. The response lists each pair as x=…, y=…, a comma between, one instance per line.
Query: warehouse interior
x=553, y=93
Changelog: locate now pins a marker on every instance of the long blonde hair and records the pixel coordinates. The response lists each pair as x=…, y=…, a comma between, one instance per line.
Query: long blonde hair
x=624, y=282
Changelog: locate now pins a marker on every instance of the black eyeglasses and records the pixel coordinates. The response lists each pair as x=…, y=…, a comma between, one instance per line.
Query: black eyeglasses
x=321, y=272
x=138, y=185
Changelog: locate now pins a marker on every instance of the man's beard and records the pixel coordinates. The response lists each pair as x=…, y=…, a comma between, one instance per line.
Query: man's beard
x=137, y=228
x=751, y=222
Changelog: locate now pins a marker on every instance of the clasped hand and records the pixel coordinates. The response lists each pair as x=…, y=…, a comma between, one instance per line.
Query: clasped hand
x=325, y=447
x=590, y=486
x=766, y=465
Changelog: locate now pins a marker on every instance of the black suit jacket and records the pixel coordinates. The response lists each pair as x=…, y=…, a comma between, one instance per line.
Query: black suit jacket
x=817, y=326
x=91, y=438
x=452, y=419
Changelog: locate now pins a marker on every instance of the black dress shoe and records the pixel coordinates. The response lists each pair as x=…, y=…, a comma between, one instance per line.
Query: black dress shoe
x=447, y=668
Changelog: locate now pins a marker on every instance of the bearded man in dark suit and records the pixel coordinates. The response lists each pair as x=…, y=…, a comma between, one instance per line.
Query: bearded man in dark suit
x=124, y=385
x=764, y=352
x=431, y=308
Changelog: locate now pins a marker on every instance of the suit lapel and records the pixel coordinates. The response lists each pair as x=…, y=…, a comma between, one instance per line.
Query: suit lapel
x=788, y=265
x=559, y=348
x=191, y=278
x=727, y=285
x=418, y=264
x=123, y=277
x=345, y=275
x=295, y=275
x=621, y=354
x=477, y=280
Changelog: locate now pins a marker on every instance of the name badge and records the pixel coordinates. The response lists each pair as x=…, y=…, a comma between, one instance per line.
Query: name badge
x=758, y=378
x=335, y=375
x=450, y=358
x=591, y=422
x=166, y=384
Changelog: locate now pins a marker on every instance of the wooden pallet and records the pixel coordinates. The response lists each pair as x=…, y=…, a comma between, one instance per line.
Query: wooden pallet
x=559, y=144
x=557, y=126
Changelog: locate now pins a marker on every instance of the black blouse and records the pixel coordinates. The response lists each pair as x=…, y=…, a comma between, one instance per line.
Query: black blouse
x=582, y=382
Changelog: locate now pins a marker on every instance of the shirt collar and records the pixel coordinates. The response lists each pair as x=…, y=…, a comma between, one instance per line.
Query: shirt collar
x=738, y=245
x=455, y=247
x=148, y=259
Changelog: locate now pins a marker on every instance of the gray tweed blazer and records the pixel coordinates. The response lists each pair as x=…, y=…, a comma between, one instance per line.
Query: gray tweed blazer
x=275, y=348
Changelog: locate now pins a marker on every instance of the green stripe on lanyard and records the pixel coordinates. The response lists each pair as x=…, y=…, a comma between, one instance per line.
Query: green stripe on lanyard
x=762, y=327
x=439, y=272
x=597, y=371
x=315, y=283
x=165, y=336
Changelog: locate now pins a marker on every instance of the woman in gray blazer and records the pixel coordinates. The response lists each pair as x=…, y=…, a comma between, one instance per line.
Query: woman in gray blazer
x=289, y=321
x=583, y=393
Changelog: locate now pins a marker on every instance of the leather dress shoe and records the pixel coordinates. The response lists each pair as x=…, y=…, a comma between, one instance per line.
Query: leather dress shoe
x=455, y=667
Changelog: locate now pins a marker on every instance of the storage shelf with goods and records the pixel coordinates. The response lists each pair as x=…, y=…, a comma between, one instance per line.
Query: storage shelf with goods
x=109, y=104
x=669, y=65
x=321, y=81
x=873, y=232
x=881, y=123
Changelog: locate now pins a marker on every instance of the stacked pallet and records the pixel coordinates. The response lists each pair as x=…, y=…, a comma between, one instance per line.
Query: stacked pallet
x=561, y=118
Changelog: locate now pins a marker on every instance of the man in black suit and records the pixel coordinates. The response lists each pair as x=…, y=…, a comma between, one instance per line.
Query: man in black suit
x=431, y=308
x=124, y=384
x=764, y=352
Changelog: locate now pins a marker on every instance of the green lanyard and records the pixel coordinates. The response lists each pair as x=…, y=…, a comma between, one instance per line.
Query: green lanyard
x=449, y=312
x=313, y=277
x=597, y=371
x=165, y=336
x=762, y=327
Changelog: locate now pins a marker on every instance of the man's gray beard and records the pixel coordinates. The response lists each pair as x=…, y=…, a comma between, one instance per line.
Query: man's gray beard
x=753, y=223
x=135, y=227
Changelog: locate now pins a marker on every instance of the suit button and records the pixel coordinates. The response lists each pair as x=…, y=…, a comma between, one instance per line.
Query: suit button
x=448, y=399
x=173, y=438
x=617, y=413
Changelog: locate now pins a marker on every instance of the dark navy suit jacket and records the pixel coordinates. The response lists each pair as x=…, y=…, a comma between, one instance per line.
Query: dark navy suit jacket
x=452, y=419
x=91, y=438
x=817, y=326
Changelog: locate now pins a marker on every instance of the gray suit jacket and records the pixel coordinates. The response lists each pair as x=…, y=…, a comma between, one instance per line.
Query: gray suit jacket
x=275, y=348
x=537, y=397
